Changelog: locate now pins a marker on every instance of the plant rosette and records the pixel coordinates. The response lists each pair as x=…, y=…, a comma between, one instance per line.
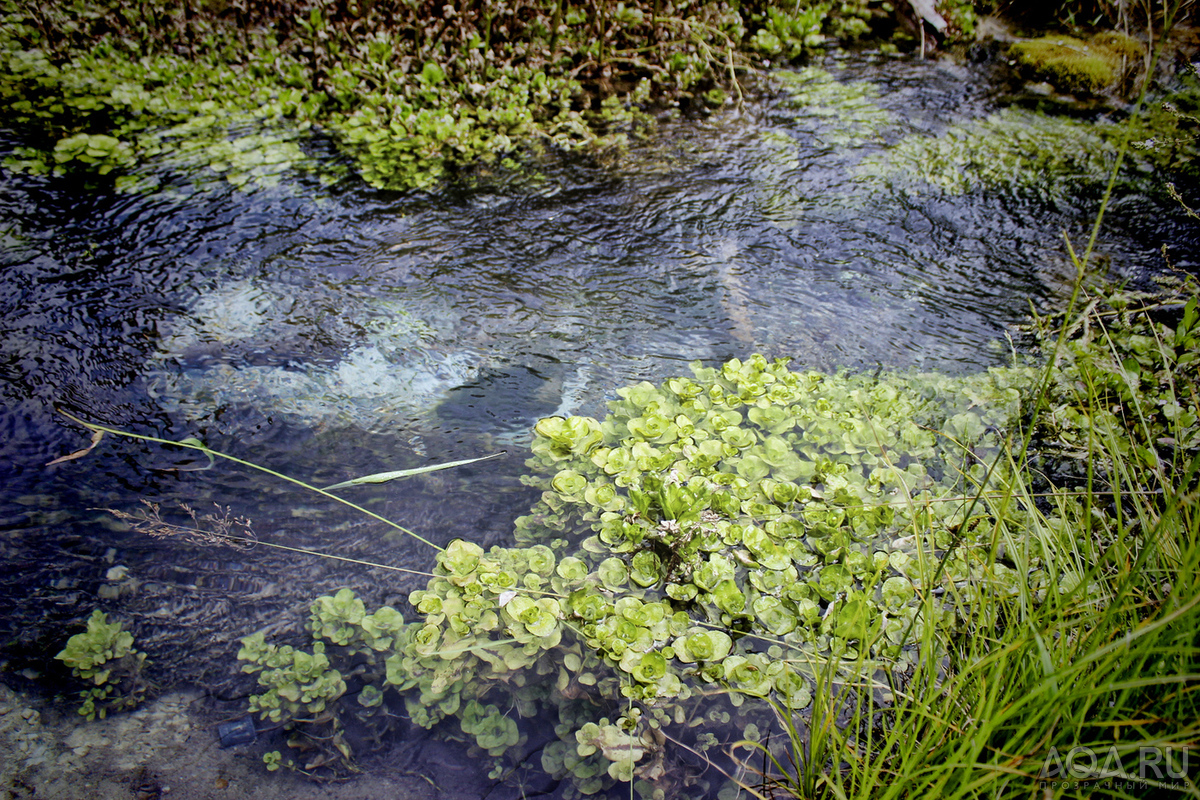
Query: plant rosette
x=104, y=657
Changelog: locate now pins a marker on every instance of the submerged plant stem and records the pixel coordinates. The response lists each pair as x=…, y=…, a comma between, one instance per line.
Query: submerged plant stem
x=196, y=445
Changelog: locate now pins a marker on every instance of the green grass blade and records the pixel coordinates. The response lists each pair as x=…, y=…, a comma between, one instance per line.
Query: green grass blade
x=384, y=477
x=195, y=444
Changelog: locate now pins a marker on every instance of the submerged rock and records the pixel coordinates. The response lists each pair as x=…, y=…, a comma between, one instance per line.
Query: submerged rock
x=365, y=389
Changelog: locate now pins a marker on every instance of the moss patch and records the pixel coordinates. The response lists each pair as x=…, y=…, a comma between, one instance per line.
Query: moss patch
x=1077, y=65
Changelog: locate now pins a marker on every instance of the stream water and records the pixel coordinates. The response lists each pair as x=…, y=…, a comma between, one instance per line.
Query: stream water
x=329, y=331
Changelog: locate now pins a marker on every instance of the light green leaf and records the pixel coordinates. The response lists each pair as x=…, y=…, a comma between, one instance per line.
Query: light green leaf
x=384, y=477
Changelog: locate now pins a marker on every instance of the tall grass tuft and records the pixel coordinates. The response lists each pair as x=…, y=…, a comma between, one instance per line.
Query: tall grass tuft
x=1086, y=683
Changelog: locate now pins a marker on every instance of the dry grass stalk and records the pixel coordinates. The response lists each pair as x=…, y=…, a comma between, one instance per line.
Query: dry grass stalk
x=221, y=528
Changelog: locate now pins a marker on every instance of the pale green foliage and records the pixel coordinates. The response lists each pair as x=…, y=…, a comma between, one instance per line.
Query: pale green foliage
x=493, y=731
x=719, y=547
x=104, y=657
x=1141, y=378
x=303, y=690
x=741, y=541
x=298, y=683
x=1017, y=151
x=103, y=153
x=273, y=760
x=799, y=508
x=789, y=33
x=962, y=17
x=106, y=111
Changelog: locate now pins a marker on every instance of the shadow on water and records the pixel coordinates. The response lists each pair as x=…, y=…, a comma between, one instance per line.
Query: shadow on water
x=335, y=331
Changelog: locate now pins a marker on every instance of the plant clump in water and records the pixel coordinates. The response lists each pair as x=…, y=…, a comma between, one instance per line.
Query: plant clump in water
x=1011, y=148
x=710, y=546
x=104, y=657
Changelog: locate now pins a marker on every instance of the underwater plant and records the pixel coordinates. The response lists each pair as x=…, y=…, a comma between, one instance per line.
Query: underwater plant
x=104, y=657
x=302, y=689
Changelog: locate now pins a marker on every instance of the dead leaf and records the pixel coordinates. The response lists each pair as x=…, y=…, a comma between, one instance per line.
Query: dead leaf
x=96, y=437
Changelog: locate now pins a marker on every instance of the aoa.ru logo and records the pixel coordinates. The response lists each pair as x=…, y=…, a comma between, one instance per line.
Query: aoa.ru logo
x=1165, y=767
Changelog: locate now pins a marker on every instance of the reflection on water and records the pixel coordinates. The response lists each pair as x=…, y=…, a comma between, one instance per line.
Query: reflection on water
x=335, y=331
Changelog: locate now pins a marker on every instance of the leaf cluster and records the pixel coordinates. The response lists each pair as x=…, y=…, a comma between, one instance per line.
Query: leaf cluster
x=303, y=689
x=411, y=90
x=1135, y=356
x=104, y=657
x=1104, y=658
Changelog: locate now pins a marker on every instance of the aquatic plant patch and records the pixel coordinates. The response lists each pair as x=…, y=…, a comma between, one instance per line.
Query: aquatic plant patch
x=1024, y=150
x=712, y=545
x=412, y=93
x=107, y=109
x=104, y=657
x=726, y=549
x=840, y=114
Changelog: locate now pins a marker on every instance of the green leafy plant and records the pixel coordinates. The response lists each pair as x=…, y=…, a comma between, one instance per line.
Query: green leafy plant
x=708, y=547
x=303, y=689
x=105, y=658
x=411, y=92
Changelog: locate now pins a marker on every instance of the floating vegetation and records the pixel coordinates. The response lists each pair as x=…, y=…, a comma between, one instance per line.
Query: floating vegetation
x=750, y=539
